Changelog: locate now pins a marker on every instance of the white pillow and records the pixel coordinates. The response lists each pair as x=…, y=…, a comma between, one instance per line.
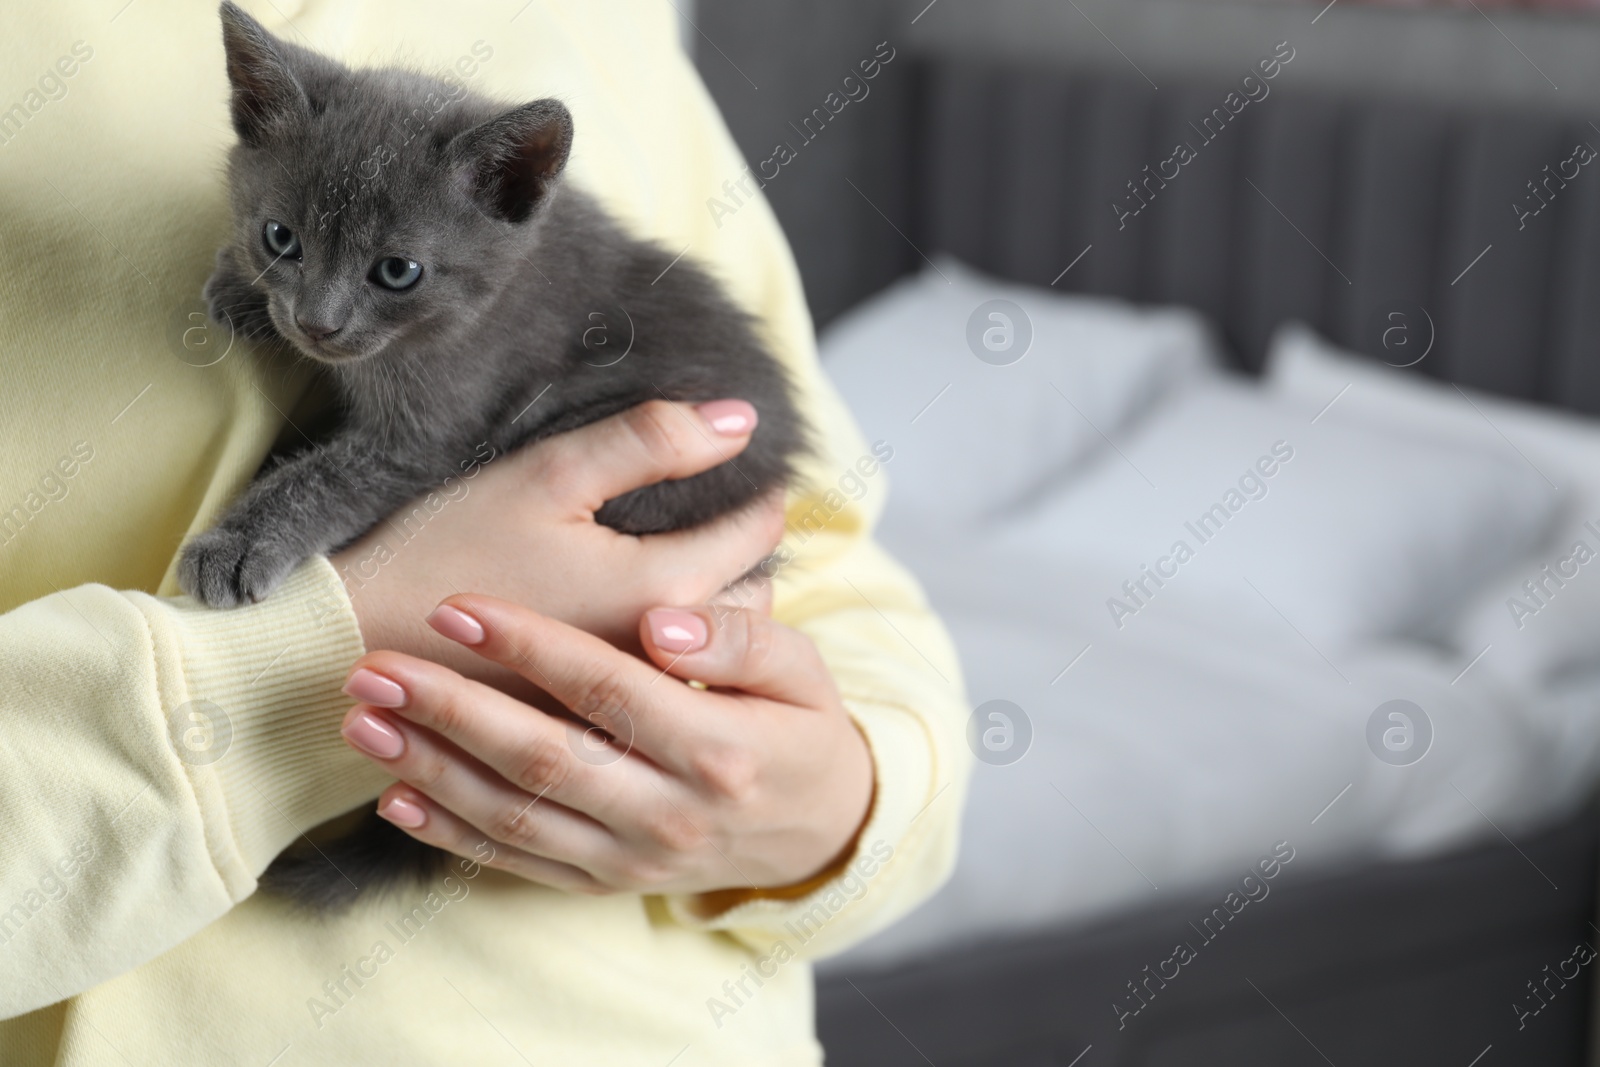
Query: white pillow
x=1541, y=618
x=973, y=437
x=1563, y=447
x=1348, y=533
x=1531, y=635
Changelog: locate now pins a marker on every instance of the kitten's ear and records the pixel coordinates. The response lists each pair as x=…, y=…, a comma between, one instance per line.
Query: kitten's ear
x=266, y=94
x=510, y=162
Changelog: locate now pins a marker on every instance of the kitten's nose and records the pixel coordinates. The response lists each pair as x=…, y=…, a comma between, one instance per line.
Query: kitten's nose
x=317, y=331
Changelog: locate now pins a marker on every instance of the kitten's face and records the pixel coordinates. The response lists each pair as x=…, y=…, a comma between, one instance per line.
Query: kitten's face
x=350, y=264
x=372, y=206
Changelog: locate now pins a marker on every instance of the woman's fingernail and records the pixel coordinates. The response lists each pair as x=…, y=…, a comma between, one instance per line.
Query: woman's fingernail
x=672, y=630
x=370, y=687
x=373, y=736
x=731, y=418
x=457, y=625
x=402, y=812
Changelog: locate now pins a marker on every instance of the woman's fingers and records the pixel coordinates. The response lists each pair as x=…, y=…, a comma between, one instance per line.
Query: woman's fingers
x=433, y=825
x=539, y=754
x=654, y=442
x=738, y=648
x=533, y=822
x=614, y=693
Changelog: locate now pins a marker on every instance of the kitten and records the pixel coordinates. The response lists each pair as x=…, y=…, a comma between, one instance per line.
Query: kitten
x=417, y=242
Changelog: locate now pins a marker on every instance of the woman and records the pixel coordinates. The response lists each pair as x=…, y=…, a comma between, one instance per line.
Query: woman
x=649, y=900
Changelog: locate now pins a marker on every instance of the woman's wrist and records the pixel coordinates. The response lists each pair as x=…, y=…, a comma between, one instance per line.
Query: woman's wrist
x=720, y=900
x=858, y=785
x=367, y=598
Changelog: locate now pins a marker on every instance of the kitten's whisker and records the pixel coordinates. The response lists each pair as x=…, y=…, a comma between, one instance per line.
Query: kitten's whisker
x=422, y=386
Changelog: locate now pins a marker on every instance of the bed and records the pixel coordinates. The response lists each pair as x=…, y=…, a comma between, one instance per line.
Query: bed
x=1156, y=744
x=1205, y=754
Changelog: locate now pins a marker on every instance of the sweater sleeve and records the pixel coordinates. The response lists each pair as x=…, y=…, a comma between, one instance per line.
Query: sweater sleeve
x=185, y=748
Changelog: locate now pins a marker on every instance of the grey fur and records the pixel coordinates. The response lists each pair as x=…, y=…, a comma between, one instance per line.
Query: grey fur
x=494, y=344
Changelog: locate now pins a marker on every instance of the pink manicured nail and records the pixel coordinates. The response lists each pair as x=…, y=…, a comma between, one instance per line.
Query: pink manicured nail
x=402, y=812
x=373, y=736
x=731, y=418
x=457, y=625
x=370, y=687
x=672, y=630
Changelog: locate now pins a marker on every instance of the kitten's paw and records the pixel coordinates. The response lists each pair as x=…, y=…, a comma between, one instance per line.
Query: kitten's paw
x=224, y=568
x=233, y=302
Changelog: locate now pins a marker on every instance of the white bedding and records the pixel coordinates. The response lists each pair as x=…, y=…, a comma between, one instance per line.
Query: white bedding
x=990, y=434
x=1533, y=634
x=1168, y=754
x=1234, y=501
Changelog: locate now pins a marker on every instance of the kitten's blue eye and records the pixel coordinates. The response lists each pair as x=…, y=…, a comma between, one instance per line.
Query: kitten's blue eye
x=396, y=272
x=280, y=240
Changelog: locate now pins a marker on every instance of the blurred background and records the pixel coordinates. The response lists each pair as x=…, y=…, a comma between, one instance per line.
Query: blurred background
x=1238, y=363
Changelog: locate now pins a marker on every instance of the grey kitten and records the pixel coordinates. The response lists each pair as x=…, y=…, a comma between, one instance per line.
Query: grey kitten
x=417, y=242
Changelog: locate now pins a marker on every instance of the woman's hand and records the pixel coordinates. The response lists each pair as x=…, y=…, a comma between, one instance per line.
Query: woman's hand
x=760, y=781
x=523, y=526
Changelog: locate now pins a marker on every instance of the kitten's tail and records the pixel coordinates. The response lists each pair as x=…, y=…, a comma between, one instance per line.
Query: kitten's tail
x=375, y=857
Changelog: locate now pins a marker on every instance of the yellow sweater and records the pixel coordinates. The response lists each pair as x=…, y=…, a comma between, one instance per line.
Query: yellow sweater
x=128, y=929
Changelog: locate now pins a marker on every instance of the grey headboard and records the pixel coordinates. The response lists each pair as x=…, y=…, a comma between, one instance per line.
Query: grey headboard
x=1335, y=211
x=1334, y=208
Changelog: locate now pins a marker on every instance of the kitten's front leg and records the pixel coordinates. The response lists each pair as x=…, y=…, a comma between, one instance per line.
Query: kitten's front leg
x=233, y=302
x=306, y=505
